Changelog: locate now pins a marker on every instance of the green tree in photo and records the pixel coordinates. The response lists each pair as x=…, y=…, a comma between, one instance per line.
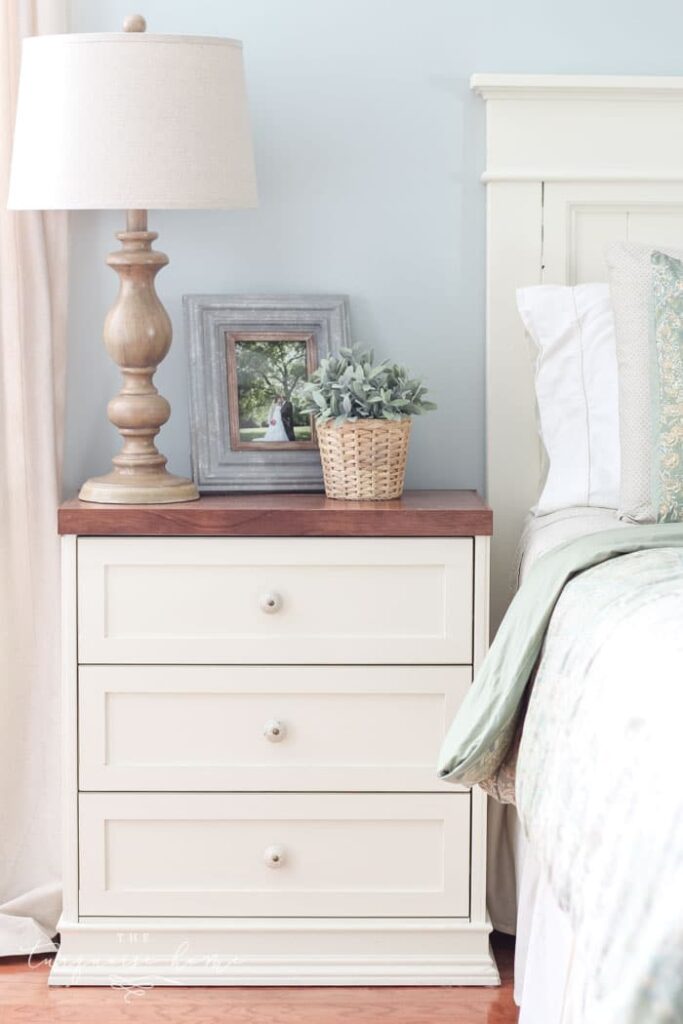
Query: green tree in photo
x=266, y=369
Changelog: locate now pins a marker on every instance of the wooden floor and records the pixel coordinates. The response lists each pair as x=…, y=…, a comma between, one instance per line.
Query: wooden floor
x=26, y=999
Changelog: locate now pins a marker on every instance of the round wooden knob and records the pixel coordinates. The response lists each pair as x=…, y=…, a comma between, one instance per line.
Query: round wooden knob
x=271, y=602
x=274, y=856
x=274, y=731
x=134, y=23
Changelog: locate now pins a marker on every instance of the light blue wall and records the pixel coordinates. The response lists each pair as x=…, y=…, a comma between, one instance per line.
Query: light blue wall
x=369, y=148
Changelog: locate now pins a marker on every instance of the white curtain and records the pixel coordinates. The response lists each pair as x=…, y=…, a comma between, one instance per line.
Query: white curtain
x=33, y=254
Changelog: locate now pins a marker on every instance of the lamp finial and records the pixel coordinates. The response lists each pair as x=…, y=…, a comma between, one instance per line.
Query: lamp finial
x=134, y=23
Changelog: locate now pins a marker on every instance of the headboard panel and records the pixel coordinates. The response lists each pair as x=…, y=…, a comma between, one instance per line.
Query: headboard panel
x=573, y=163
x=580, y=219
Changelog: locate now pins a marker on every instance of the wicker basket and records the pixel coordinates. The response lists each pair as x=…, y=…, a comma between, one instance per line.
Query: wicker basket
x=364, y=460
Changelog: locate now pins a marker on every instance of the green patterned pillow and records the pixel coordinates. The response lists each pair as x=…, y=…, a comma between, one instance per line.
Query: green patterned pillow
x=666, y=388
x=631, y=272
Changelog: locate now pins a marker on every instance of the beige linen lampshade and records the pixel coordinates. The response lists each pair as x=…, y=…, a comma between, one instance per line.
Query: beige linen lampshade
x=127, y=120
x=130, y=121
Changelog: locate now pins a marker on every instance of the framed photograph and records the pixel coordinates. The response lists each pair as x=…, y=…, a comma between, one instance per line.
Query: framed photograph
x=249, y=356
x=265, y=372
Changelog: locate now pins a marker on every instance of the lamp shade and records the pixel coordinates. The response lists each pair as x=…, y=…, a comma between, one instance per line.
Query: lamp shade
x=131, y=121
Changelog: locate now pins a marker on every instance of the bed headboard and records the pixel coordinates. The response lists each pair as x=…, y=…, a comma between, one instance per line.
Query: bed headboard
x=573, y=163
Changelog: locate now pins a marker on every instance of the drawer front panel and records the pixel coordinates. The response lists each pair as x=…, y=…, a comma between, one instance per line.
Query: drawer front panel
x=255, y=727
x=189, y=600
x=271, y=855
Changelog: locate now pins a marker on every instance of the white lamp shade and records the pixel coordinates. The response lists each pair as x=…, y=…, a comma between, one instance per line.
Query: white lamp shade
x=131, y=121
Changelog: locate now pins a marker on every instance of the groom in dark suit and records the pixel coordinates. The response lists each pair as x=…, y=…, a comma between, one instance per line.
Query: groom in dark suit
x=287, y=414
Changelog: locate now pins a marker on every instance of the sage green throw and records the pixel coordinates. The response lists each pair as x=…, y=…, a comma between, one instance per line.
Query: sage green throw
x=484, y=727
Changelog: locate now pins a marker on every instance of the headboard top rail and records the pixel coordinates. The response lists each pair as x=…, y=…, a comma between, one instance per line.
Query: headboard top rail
x=578, y=87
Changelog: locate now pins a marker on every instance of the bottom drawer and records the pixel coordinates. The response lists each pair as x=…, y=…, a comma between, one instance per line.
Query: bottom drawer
x=305, y=854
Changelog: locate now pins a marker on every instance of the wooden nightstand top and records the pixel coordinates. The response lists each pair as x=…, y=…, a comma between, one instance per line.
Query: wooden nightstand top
x=416, y=514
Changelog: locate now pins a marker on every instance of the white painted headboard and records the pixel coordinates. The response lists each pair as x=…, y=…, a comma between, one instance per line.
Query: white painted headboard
x=573, y=163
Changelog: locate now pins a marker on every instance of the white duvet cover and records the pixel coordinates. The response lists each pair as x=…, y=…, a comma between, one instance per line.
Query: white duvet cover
x=597, y=784
x=581, y=777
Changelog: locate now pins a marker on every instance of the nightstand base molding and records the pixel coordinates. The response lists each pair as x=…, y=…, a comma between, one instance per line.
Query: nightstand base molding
x=243, y=951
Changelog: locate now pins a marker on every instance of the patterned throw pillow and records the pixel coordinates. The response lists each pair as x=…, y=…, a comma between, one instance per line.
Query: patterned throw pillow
x=666, y=388
x=642, y=381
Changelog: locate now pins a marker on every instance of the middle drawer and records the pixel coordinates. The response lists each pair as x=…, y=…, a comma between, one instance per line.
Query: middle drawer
x=256, y=727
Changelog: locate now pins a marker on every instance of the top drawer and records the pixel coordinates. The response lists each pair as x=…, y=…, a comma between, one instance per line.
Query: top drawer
x=194, y=600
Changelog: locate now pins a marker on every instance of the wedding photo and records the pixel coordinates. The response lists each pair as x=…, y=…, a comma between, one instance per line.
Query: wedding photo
x=265, y=374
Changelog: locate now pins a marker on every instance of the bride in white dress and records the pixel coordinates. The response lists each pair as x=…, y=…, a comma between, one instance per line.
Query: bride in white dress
x=276, y=430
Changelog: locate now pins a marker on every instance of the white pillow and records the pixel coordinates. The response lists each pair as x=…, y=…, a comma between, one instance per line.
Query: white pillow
x=576, y=391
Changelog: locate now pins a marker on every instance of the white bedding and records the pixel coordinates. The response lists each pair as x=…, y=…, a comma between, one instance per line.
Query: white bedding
x=589, y=701
x=542, y=533
x=597, y=781
x=505, y=842
x=505, y=847
x=545, y=954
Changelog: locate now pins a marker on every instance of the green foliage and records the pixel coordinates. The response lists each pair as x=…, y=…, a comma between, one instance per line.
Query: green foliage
x=350, y=387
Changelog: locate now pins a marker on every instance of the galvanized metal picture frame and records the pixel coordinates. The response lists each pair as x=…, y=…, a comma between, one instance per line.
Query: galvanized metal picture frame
x=224, y=459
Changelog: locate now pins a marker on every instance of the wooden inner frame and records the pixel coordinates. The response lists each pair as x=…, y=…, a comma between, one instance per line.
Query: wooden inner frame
x=235, y=338
x=573, y=163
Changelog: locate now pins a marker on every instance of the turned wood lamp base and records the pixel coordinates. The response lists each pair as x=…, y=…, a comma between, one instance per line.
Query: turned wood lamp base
x=154, y=489
x=137, y=336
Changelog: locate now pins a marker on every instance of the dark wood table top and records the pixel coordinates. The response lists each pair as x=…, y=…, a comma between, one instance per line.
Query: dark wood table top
x=415, y=514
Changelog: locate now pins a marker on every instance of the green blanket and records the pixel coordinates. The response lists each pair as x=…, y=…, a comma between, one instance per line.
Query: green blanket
x=484, y=727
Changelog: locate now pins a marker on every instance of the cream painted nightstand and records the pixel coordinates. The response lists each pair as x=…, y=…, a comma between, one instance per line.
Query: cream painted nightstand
x=255, y=691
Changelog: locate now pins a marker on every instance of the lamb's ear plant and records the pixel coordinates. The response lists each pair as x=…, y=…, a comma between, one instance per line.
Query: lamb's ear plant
x=350, y=386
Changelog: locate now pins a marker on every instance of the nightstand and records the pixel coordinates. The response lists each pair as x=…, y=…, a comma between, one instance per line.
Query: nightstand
x=256, y=688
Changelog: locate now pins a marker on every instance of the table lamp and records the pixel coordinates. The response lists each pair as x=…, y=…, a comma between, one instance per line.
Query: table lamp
x=133, y=121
